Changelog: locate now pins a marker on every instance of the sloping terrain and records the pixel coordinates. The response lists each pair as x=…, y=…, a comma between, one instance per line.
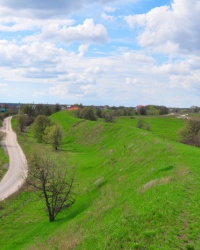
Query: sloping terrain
x=134, y=190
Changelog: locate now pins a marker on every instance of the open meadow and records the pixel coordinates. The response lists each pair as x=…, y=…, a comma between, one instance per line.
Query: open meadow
x=135, y=189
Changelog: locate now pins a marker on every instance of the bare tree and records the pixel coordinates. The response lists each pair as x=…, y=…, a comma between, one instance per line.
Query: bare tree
x=54, y=183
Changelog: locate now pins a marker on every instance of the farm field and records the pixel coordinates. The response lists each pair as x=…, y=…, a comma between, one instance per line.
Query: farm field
x=135, y=189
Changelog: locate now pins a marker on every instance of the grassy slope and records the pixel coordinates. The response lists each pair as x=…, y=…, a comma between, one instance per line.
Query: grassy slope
x=135, y=190
x=164, y=126
x=3, y=162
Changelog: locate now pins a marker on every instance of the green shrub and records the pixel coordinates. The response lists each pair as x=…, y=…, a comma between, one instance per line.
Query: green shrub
x=190, y=134
x=140, y=123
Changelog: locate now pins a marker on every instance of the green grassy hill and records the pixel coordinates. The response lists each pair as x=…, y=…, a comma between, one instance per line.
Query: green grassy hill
x=134, y=190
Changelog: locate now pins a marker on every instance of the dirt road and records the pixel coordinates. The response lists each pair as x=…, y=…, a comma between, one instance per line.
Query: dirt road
x=12, y=180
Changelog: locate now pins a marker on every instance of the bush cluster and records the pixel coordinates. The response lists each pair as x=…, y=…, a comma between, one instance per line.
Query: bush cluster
x=143, y=125
x=190, y=134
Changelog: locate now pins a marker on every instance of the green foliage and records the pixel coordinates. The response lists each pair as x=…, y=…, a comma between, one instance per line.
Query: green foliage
x=28, y=110
x=53, y=135
x=41, y=109
x=99, y=113
x=163, y=110
x=156, y=110
x=189, y=247
x=151, y=110
x=86, y=113
x=33, y=110
x=142, y=124
x=40, y=124
x=190, y=134
x=148, y=126
x=56, y=108
x=109, y=116
x=23, y=121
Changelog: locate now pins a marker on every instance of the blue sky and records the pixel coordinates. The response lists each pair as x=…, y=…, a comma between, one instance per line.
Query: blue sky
x=100, y=52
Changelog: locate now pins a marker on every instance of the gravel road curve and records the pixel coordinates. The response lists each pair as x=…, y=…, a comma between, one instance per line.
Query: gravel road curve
x=12, y=180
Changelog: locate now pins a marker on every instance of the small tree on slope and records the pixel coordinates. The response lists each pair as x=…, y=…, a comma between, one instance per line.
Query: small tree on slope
x=54, y=183
x=53, y=136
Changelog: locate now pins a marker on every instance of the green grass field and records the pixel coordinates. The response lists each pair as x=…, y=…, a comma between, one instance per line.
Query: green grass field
x=135, y=189
x=166, y=127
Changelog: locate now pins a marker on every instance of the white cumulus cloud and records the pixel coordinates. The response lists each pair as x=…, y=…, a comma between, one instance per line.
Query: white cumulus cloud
x=88, y=32
x=174, y=27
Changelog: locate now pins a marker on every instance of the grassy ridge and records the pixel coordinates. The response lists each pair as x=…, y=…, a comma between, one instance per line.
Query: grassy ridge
x=164, y=126
x=135, y=190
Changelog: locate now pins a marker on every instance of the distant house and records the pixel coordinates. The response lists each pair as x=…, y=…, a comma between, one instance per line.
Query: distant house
x=73, y=108
x=139, y=107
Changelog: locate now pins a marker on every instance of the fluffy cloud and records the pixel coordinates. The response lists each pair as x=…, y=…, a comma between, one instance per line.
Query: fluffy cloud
x=110, y=9
x=171, y=28
x=134, y=81
x=53, y=54
x=15, y=24
x=27, y=55
x=82, y=49
x=108, y=17
x=76, y=88
x=88, y=32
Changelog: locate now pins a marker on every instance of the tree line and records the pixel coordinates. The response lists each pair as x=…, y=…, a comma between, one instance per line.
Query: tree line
x=43, y=129
x=110, y=113
x=48, y=175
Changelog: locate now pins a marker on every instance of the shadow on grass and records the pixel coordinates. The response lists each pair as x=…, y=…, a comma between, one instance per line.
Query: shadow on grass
x=73, y=211
x=166, y=169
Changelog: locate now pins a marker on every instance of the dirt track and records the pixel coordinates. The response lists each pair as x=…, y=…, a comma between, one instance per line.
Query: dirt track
x=12, y=180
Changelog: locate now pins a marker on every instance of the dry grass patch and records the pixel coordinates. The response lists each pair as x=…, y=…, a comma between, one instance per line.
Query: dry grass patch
x=182, y=171
x=67, y=241
x=155, y=182
x=105, y=203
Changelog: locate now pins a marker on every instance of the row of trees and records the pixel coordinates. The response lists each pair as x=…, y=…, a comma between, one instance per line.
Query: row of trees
x=33, y=110
x=50, y=176
x=109, y=113
x=153, y=110
x=92, y=114
x=44, y=130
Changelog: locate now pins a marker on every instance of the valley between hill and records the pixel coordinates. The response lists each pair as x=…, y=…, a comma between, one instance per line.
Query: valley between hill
x=135, y=189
